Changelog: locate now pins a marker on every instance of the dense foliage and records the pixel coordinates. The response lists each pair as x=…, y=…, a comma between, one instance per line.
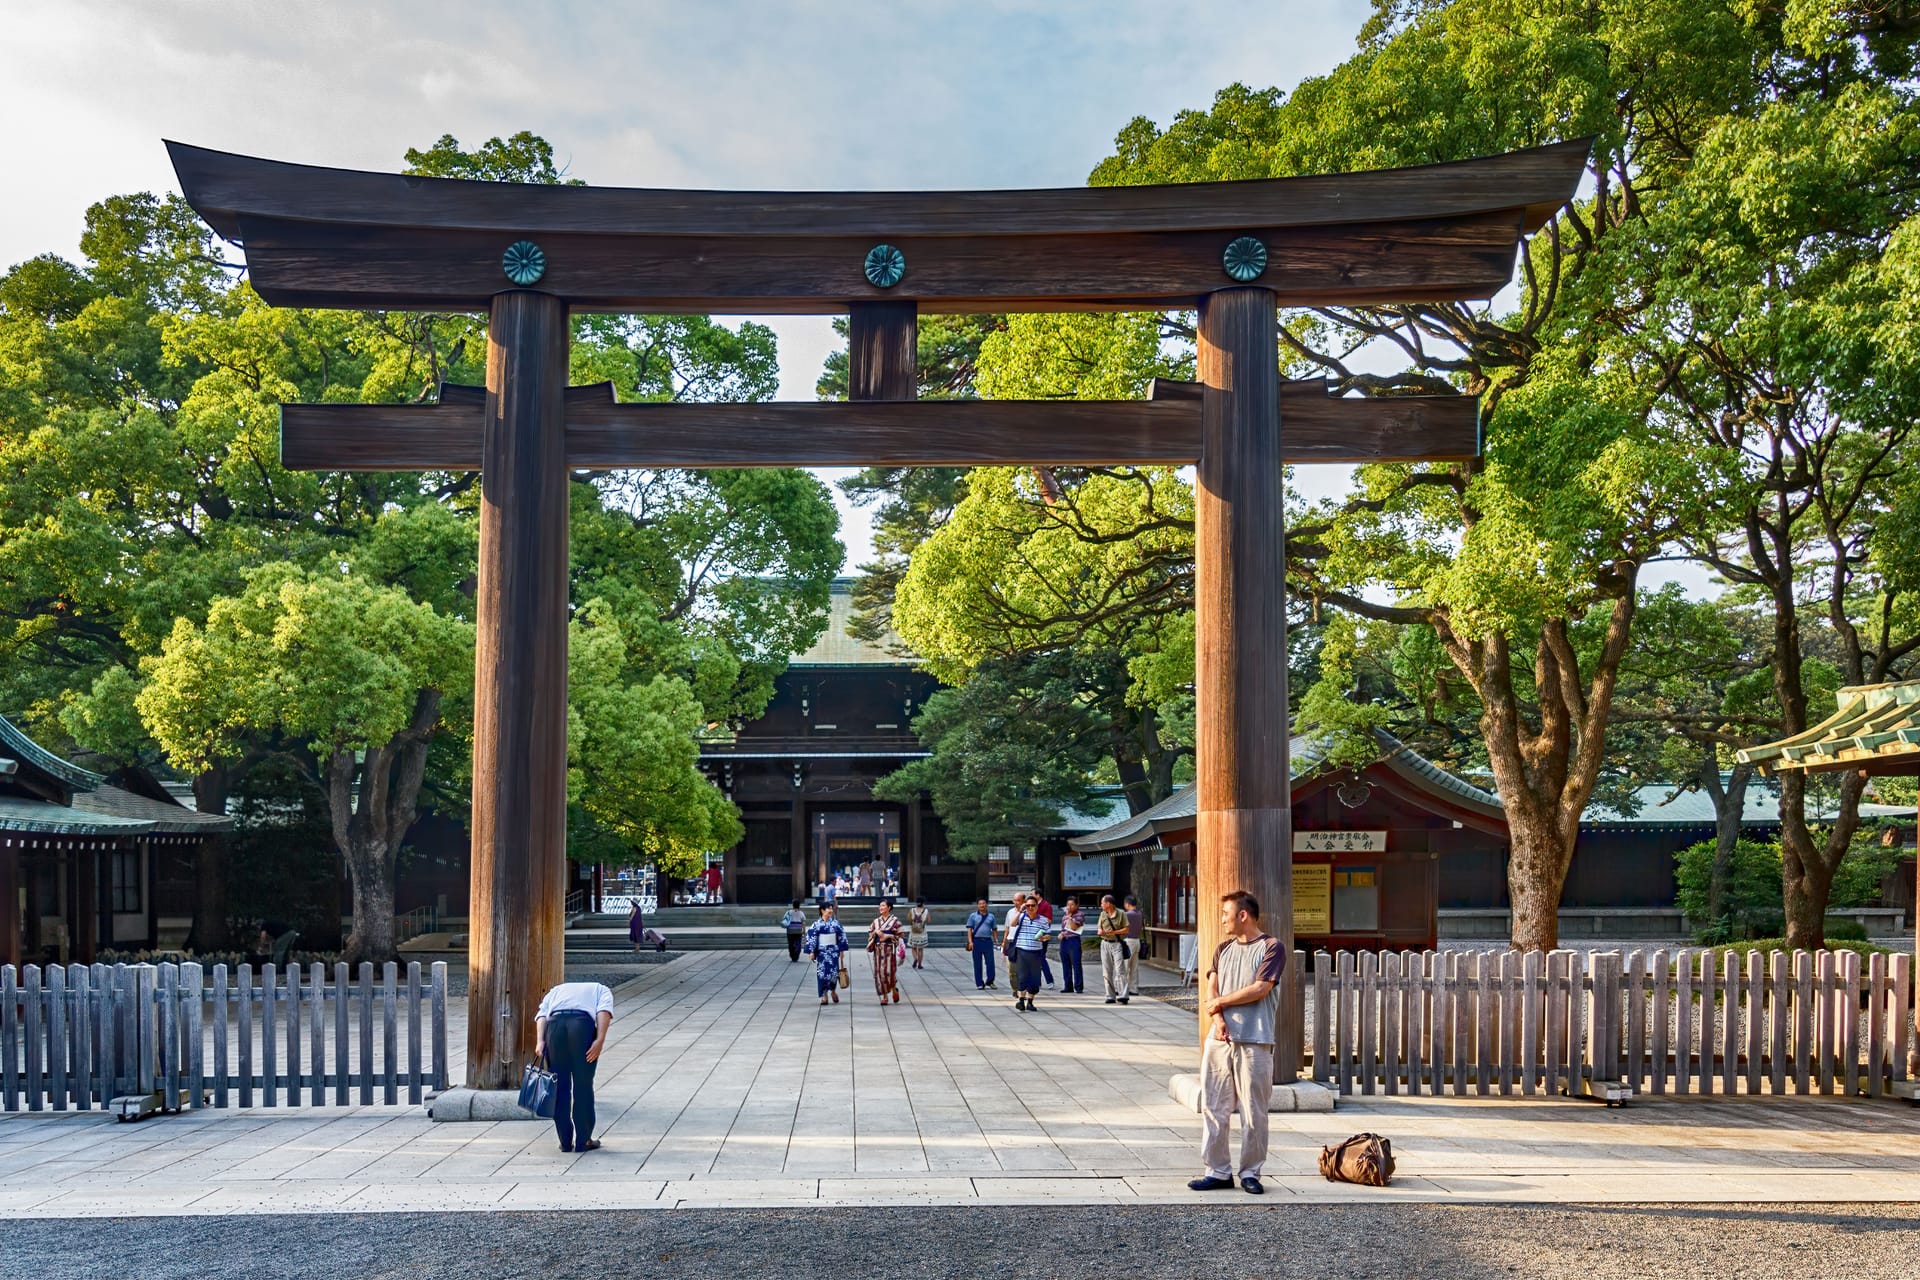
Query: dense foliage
x=171, y=596
x=1710, y=353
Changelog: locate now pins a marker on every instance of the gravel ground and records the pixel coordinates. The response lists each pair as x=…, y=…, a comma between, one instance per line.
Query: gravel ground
x=1321, y=1242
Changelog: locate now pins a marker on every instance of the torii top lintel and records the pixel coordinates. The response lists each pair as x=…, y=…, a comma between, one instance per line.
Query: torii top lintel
x=342, y=238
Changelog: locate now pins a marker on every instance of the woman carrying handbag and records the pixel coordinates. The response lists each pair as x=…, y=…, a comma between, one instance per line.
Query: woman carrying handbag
x=885, y=939
x=827, y=943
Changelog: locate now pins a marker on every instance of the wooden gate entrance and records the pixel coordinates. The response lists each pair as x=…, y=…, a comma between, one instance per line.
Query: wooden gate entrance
x=528, y=255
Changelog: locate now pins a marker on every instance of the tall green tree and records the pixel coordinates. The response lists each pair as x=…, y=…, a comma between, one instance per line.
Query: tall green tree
x=141, y=486
x=1506, y=559
x=1088, y=569
x=1778, y=329
x=349, y=676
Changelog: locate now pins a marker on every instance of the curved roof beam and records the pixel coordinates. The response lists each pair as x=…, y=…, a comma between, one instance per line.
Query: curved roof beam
x=335, y=237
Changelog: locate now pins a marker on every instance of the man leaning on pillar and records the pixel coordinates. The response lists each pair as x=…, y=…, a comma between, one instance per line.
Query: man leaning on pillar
x=1236, y=1064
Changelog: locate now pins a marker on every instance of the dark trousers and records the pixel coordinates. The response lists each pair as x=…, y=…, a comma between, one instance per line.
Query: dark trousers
x=1046, y=966
x=1026, y=971
x=569, y=1036
x=982, y=962
x=1072, y=978
x=793, y=944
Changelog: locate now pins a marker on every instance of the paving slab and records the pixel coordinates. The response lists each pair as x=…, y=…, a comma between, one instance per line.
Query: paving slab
x=726, y=1084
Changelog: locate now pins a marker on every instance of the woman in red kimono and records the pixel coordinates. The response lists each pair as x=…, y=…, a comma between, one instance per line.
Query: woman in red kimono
x=886, y=938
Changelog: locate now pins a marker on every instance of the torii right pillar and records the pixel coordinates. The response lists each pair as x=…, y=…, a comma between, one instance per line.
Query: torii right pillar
x=1244, y=837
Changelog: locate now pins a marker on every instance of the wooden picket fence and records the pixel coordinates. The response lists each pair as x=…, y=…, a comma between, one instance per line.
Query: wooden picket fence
x=81, y=1036
x=1602, y=1023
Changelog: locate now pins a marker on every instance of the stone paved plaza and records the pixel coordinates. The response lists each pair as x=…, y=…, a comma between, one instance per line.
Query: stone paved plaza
x=726, y=1084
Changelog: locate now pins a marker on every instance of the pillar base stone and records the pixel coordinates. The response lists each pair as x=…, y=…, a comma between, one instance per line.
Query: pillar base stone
x=1301, y=1095
x=465, y=1104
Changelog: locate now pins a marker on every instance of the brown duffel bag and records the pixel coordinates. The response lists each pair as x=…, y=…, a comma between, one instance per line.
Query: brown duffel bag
x=1365, y=1158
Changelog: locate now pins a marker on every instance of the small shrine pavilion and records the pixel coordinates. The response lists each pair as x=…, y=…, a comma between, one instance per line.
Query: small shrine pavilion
x=1367, y=848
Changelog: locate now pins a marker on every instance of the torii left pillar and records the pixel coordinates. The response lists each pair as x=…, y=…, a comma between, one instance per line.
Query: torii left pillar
x=515, y=947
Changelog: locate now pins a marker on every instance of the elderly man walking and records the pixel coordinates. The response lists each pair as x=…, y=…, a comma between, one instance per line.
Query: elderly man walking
x=980, y=942
x=1236, y=1066
x=1112, y=928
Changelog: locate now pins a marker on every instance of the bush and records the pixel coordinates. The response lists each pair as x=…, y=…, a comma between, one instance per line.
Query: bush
x=1868, y=862
x=1838, y=930
x=1750, y=903
x=1764, y=945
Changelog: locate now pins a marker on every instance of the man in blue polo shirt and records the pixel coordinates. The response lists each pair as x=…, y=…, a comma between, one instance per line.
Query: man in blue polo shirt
x=980, y=942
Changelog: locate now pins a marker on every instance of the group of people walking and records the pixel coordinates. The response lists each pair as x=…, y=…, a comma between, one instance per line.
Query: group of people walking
x=1024, y=937
x=1239, y=999
x=1029, y=929
x=861, y=880
x=889, y=940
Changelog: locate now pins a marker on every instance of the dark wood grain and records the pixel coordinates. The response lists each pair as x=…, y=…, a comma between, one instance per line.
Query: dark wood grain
x=1241, y=727
x=933, y=433
x=882, y=351
x=455, y=393
x=293, y=263
x=221, y=186
x=518, y=873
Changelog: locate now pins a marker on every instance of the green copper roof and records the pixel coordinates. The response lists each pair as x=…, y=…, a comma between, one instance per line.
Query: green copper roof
x=837, y=645
x=14, y=742
x=1305, y=757
x=1872, y=724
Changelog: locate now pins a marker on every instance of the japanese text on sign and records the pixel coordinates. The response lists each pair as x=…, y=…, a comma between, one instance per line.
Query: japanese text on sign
x=1339, y=842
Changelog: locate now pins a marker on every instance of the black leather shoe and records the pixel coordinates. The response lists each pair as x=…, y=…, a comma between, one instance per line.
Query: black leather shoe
x=1124, y=999
x=1210, y=1184
x=1251, y=1185
x=590, y=1145
x=1111, y=1000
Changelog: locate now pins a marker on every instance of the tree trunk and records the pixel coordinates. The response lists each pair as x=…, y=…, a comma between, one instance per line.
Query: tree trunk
x=1807, y=866
x=211, y=931
x=1545, y=775
x=370, y=834
x=370, y=871
x=1729, y=804
x=1536, y=873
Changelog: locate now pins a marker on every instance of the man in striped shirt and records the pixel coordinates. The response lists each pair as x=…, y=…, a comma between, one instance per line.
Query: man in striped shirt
x=1027, y=937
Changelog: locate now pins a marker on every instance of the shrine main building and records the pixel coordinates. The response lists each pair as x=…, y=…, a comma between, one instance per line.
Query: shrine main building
x=841, y=718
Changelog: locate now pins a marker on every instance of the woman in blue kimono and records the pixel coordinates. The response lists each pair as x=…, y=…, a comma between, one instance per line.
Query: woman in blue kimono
x=826, y=943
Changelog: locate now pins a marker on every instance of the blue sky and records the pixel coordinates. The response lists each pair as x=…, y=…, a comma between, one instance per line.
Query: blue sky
x=820, y=94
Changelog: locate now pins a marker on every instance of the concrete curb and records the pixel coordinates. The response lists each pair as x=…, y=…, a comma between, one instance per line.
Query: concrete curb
x=458, y=1105
x=1301, y=1095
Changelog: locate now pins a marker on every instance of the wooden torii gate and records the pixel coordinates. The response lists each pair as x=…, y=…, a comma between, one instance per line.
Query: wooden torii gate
x=528, y=255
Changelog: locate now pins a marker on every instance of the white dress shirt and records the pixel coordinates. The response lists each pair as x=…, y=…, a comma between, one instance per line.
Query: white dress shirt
x=590, y=998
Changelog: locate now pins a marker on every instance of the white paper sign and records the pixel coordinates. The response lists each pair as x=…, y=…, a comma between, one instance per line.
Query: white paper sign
x=1089, y=871
x=1339, y=842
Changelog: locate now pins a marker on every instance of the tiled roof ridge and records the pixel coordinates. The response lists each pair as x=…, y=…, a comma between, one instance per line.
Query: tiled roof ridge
x=14, y=739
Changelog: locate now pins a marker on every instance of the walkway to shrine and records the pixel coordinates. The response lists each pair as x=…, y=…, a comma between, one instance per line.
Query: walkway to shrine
x=726, y=1084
